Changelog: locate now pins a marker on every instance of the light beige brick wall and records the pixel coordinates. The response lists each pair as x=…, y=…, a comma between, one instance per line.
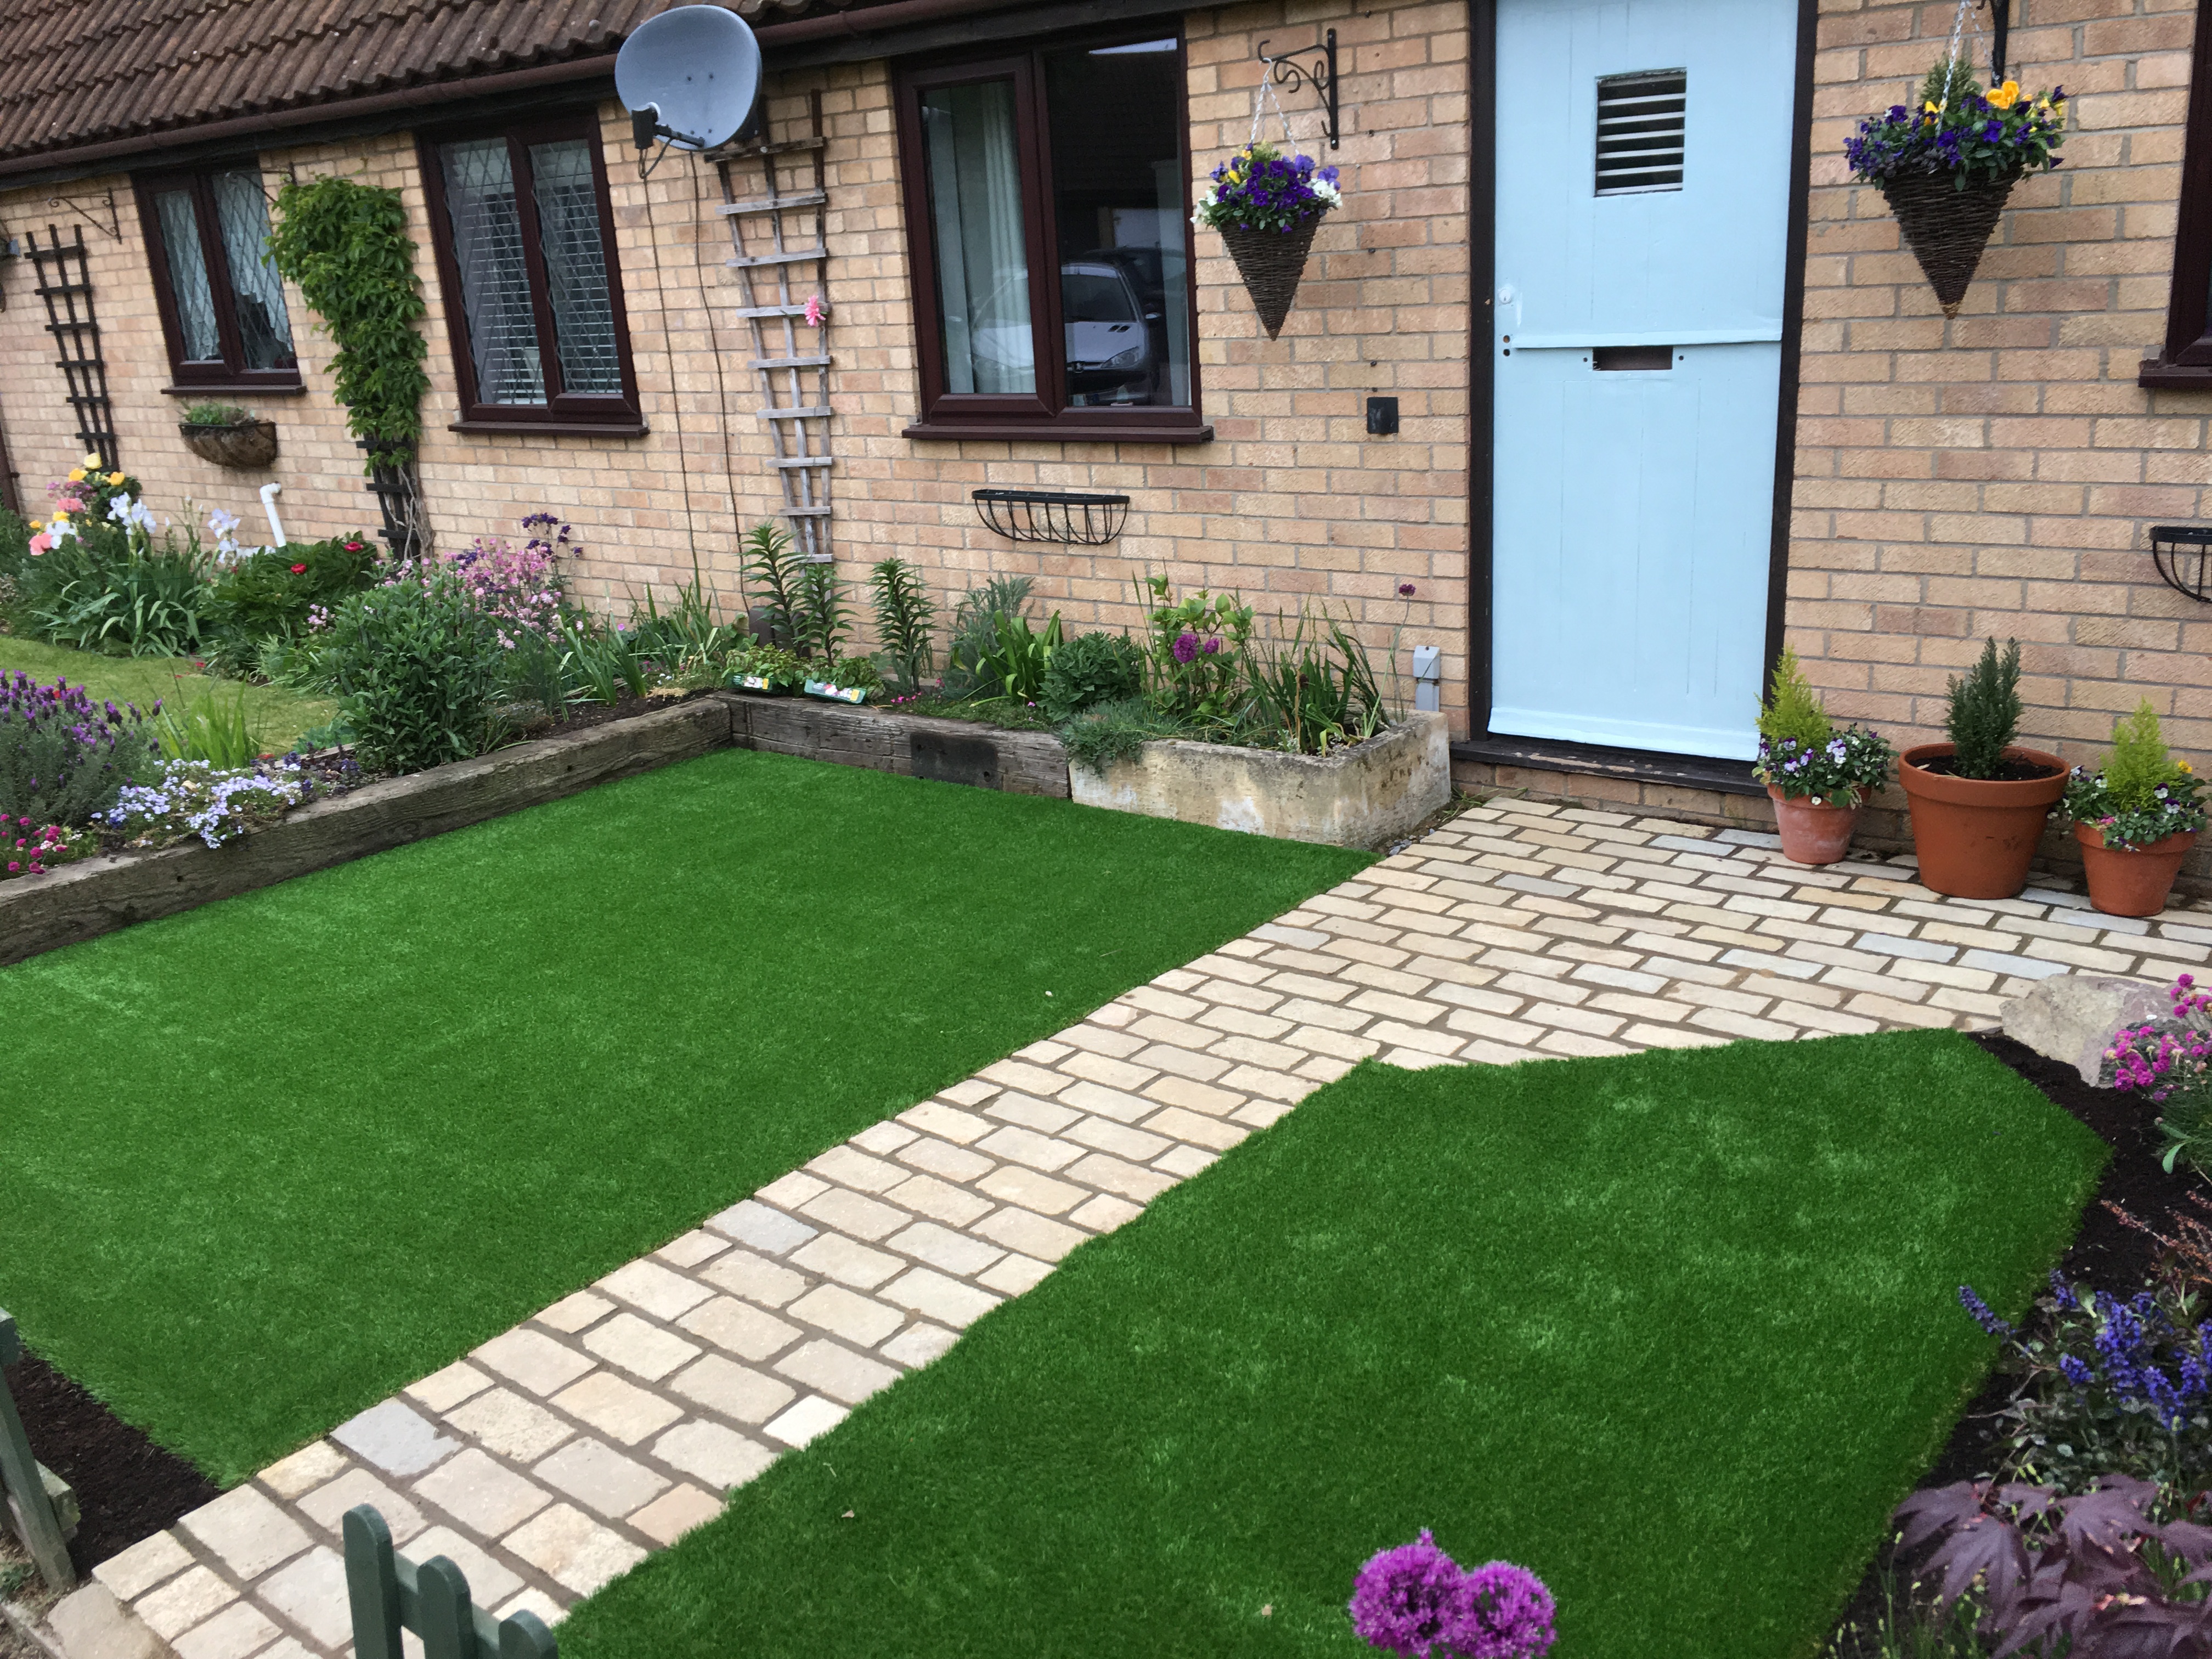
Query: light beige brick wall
x=1291, y=503
x=1995, y=475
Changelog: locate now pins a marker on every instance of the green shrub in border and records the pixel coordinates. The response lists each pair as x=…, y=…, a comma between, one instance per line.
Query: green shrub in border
x=1089, y=670
x=269, y=592
x=419, y=668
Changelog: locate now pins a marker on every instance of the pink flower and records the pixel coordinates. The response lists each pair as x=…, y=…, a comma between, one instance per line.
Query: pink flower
x=816, y=310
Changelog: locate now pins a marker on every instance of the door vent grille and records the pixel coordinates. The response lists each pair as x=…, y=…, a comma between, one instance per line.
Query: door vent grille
x=1640, y=131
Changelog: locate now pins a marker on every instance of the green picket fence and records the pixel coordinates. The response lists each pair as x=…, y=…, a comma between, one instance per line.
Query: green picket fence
x=389, y=1592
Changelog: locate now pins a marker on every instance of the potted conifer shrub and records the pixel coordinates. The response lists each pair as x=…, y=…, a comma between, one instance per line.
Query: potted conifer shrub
x=1979, y=804
x=2135, y=819
x=1817, y=776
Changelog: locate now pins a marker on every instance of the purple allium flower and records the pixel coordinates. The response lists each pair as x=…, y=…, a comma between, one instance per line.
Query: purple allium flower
x=1980, y=1309
x=1405, y=590
x=1511, y=1617
x=1186, y=647
x=1411, y=1601
x=1213, y=644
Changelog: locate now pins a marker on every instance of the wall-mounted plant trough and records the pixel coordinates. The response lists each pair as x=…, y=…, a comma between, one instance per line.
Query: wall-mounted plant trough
x=243, y=444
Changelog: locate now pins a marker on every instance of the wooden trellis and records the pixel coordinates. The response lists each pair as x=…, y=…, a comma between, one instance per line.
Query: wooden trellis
x=65, y=284
x=774, y=255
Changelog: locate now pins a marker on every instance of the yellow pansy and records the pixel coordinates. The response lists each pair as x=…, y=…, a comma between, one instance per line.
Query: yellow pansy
x=115, y=477
x=91, y=459
x=2005, y=96
x=60, y=517
x=76, y=476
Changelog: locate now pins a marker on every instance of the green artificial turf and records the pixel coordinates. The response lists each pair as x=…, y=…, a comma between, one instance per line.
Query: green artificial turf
x=274, y=715
x=1675, y=1330
x=265, y=1162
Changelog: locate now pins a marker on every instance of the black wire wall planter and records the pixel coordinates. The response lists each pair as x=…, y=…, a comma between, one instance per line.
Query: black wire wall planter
x=2183, y=553
x=1052, y=515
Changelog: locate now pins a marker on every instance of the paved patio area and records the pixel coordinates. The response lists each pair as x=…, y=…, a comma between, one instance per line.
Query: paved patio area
x=564, y=1451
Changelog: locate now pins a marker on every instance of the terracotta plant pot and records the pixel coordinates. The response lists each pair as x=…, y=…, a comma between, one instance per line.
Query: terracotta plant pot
x=1814, y=834
x=1977, y=836
x=2126, y=881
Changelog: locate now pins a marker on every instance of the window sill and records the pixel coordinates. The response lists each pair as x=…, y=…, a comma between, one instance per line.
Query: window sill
x=2174, y=377
x=237, y=389
x=554, y=429
x=1047, y=432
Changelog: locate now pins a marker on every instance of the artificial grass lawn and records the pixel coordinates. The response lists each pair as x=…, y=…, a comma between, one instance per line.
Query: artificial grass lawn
x=1676, y=1330
x=270, y=1160
x=276, y=716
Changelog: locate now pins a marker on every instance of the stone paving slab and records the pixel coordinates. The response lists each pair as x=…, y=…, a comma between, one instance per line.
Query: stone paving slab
x=561, y=1453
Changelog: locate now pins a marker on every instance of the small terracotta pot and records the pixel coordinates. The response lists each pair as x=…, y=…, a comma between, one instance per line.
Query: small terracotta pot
x=1977, y=836
x=1814, y=834
x=2134, y=881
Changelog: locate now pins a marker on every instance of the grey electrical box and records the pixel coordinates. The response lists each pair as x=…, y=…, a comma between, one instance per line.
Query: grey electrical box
x=1428, y=677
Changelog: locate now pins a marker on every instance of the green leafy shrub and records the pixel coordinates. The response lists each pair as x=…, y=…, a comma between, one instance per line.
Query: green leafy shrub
x=418, y=667
x=778, y=664
x=273, y=590
x=216, y=415
x=134, y=599
x=1089, y=670
x=1196, y=662
x=1099, y=736
x=1985, y=711
x=905, y=614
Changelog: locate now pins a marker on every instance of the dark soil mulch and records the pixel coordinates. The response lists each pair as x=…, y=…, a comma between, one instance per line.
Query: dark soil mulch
x=2105, y=1253
x=127, y=1487
x=1943, y=766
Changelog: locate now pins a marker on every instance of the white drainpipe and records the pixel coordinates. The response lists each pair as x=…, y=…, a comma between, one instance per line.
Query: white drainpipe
x=268, y=493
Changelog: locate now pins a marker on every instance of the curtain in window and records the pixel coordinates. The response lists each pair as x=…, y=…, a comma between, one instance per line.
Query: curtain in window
x=487, y=225
x=188, y=276
x=576, y=267
x=265, y=331
x=982, y=263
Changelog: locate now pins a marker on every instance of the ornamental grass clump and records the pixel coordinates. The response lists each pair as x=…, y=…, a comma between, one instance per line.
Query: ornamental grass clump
x=1415, y=1601
x=63, y=758
x=1802, y=754
x=2142, y=794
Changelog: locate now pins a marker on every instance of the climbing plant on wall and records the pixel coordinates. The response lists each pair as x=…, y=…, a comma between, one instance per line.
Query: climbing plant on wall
x=345, y=244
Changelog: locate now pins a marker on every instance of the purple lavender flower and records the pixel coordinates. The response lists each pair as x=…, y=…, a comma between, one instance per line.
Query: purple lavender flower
x=1511, y=1617
x=1980, y=1310
x=1411, y=1601
x=2076, y=1370
x=1185, y=647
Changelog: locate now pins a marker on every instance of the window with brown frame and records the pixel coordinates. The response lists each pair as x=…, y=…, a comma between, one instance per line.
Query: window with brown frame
x=2186, y=363
x=1048, y=215
x=222, y=302
x=524, y=231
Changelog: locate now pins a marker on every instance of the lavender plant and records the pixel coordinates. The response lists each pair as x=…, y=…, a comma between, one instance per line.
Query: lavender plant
x=62, y=757
x=1416, y=1601
x=2108, y=1384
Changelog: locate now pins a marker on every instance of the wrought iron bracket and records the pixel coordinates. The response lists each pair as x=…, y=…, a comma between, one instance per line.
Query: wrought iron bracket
x=2001, y=26
x=2183, y=553
x=1320, y=75
x=112, y=226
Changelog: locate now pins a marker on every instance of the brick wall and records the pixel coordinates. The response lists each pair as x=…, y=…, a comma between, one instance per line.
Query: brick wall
x=1995, y=474
x=1291, y=503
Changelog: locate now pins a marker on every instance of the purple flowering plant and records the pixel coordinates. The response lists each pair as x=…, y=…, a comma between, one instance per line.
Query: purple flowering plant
x=1416, y=1601
x=2106, y=1384
x=1197, y=659
x=2168, y=1061
x=1260, y=188
x=191, y=799
x=64, y=758
x=2142, y=794
x=1954, y=128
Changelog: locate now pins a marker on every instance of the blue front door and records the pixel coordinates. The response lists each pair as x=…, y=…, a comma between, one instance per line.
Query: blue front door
x=1643, y=162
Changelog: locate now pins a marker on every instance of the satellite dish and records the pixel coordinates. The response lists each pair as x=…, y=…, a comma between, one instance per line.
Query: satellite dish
x=691, y=75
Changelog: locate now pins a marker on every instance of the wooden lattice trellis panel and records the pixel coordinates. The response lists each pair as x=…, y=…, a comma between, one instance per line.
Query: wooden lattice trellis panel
x=65, y=284
x=791, y=358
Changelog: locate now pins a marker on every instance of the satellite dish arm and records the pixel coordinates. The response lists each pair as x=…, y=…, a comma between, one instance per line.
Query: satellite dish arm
x=645, y=128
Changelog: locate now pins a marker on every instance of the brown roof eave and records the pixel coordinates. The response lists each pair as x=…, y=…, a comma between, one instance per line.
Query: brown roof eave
x=271, y=122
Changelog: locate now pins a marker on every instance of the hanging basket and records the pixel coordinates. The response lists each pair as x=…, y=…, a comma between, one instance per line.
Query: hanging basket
x=1271, y=262
x=1945, y=227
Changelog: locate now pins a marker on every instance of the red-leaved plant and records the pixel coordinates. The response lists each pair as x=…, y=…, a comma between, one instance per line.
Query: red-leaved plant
x=2092, y=1578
